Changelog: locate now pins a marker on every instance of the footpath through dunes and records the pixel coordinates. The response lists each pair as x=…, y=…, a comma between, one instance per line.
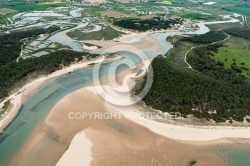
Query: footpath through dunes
x=116, y=141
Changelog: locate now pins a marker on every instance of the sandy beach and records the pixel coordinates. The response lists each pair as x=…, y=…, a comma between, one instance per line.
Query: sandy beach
x=118, y=140
x=80, y=146
x=76, y=133
x=23, y=93
x=142, y=41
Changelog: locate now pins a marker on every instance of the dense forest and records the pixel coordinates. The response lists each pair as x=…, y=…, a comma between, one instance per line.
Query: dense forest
x=143, y=25
x=209, y=91
x=208, y=38
x=10, y=46
x=239, y=32
x=16, y=71
x=177, y=89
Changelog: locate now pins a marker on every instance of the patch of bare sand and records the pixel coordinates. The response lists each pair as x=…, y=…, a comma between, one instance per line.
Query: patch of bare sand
x=53, y=136
x=115, y=141
x=28, y=89
x=141, y=41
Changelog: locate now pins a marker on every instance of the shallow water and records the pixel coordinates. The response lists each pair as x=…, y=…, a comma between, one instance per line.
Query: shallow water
x=234, y=154
x=37, y=107
x=240, y=157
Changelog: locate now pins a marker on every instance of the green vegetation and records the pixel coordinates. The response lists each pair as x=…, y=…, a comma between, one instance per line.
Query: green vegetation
x=216, y=27
x=238, y=9
x=239, y=32
x=13, y=40
x=198, y=16
x=92, y=11
x=177, y=89
x=6, y=106
x=234, y=58
x=213, y=90
x=208, y=38
x=4, y=20
x=106, y=33
x=177, y=55
x=41, y=6
x=14, y=72
x=143, y=25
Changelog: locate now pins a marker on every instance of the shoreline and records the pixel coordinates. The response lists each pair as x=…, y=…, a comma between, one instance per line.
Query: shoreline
x=112, y=132
x=78, y=141
x=80, y=146
x=174, y=131
x=19, y=97
x=24, y=92
x=41, y=136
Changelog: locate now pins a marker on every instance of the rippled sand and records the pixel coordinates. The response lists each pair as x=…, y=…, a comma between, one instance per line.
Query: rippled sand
x=114, y=141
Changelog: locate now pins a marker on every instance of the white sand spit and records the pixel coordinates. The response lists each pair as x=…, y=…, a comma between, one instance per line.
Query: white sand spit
x=79, y=152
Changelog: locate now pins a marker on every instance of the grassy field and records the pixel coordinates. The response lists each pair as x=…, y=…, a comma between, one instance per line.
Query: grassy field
x=4, y=11
x=41, y=6
x=236, y=51
x=107, y=33
x=93, y=11
x=241, y=10
x=223, y=26
x=237, y=56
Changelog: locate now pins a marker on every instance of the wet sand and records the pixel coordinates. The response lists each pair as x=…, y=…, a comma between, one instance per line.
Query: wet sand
x=113, y=141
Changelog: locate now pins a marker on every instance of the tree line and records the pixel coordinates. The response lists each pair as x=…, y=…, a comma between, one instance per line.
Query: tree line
x=239, y=32
x=143, y=25
x=10, y=46
x=207, y=38
x=14, y=72
x=176, y=89
x=209, y=92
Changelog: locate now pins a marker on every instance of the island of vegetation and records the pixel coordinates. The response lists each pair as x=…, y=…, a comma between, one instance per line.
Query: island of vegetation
x=156, y=23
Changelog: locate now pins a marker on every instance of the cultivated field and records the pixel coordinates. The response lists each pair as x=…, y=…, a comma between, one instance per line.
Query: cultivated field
x=4, y=11
x=40, y=6
x=112, y=13
x=241, y=10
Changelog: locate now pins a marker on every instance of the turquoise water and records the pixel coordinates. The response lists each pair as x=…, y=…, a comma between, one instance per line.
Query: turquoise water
x=234, y=154
x=240, y=157
x=37, y=107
